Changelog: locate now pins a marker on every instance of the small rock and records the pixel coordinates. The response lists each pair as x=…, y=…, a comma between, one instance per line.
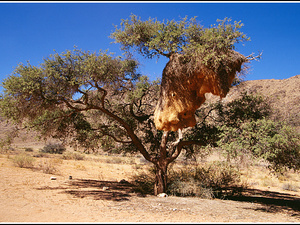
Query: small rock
x=52, y=178
x=105, y=188
x=162, y=195
x=123, y=181
x=70, y=177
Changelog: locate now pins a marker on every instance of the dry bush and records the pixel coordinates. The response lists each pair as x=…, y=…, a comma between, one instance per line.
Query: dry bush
x=114, y=160
x=80, y=167
x=190, y=187
x=208, y=181
x=28, y=150
x=73, y=156
x=23, y=161
x=290, y=186
x=49, y=166
x=53, y=148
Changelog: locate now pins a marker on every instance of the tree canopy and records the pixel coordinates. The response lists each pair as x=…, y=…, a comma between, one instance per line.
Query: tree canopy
x=212, y=46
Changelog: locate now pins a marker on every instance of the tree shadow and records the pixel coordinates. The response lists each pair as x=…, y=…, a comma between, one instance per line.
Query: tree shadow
x=96, y=189
x=270, y=201
x=100, y=190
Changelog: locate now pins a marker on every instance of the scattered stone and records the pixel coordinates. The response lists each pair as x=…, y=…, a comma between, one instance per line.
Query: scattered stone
x=52, y=178
x=162, y=195
x=70, y=177
x=105, y=188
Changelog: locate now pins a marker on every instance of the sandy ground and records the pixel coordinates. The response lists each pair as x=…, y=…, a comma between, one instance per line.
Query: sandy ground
x=91, y=195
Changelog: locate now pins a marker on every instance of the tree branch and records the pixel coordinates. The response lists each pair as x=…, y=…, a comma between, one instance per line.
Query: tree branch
x=252, y=57
x=129, y=131
x=180, y=145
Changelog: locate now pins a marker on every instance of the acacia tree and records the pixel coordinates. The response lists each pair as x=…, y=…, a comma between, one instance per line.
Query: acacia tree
x=95, y=99
x=212, y=47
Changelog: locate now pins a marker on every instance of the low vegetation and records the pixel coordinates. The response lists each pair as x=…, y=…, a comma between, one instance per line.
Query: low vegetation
x=23, y=160
x=54, y=148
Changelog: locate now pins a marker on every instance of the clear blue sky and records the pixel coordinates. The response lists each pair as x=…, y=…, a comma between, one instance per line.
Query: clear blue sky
x=31, y=31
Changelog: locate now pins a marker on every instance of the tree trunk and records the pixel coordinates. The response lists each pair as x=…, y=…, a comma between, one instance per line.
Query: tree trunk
x=160, y=185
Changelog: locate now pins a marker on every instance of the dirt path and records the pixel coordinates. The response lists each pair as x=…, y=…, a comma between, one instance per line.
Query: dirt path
x=31, y=196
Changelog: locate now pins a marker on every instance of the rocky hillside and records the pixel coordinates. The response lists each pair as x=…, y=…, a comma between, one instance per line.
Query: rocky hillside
x=283, y=96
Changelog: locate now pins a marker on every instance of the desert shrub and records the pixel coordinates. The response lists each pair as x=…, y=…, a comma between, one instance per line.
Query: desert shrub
x=114, y=160
x=190, y=187
x=48, y=166
x=28, y=150
x=290, y=186
x=23, y=161
x=73, y=156
x=208, y=181
x=40, y=155
x=54, y=148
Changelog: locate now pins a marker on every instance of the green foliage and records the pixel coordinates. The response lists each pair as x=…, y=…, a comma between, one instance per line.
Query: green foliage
x=232, y=114
x=275, y=142
x=152, y=38
x=211, y=46
x=31, y=90
x=59, y=98
x=245, y=108
x=53, y=148
x=241, y=128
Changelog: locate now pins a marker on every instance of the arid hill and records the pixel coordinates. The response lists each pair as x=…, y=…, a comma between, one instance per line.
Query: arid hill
x=282, y=95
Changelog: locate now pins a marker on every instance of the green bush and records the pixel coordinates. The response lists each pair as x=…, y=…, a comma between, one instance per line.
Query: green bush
x=54, y=148
x=23, y=161
x=275, y=142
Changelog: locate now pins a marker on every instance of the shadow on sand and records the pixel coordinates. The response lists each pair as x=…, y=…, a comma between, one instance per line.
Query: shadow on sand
x=269, y=201
x=100, y=190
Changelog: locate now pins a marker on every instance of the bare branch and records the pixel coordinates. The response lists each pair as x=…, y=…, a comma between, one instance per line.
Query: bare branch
x=180, y=145
x=252, y=57
x=112, y=136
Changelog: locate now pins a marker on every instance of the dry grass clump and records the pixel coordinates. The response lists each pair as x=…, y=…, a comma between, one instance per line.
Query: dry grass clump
x=190, y=187
x=290, y=186
x=73, y=156
x=208, y=181
x=49, y=165
x=23, y=160
x=112, y=159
